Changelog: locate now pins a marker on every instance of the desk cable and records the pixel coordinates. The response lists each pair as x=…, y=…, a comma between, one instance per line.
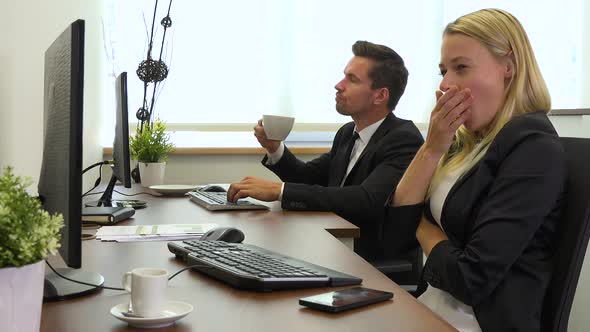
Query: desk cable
x=100, y=163
x=118, y=192
x=99, y=179
x=124, y=194
x=118, y=288
x=97, y=182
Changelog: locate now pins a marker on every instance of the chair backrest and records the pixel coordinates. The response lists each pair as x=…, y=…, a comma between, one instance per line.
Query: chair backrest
x=572, y=236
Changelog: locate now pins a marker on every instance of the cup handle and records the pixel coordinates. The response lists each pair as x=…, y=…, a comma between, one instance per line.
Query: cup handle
x=127, y=281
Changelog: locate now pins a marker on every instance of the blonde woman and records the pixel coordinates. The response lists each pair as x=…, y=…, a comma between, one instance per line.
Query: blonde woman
x=485, y=189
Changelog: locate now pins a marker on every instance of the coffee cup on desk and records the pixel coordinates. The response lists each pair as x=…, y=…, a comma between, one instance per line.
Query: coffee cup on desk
x=277, y=127
x=148, y=290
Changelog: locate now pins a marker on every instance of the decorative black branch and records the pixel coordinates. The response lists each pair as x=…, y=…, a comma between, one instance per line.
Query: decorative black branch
x=152, y=71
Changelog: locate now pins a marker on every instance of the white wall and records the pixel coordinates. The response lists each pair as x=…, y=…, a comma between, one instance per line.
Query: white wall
x=27, y=28
x=572, y=125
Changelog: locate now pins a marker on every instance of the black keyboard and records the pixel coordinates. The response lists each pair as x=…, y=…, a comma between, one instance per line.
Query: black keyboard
x=217, y=201
x=246, y=266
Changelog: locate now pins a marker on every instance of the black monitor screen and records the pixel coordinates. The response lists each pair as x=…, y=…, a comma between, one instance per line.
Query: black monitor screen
x=60, y=181
x=122, y=168
x=121, y=159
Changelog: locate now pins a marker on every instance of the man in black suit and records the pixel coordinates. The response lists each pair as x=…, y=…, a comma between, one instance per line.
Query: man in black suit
x=367, y=159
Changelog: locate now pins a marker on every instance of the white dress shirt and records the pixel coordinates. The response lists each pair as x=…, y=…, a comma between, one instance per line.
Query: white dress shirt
x=360, y=144
x=455, y=312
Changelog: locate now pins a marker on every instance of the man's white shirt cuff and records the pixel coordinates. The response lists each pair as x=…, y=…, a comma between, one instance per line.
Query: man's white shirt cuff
x=281, y=194
x=275, y=157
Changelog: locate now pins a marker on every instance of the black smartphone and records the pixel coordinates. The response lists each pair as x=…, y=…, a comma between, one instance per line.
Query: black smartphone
x=345, y=299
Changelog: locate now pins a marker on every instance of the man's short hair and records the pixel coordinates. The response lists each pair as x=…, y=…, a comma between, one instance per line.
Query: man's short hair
x=389, y=70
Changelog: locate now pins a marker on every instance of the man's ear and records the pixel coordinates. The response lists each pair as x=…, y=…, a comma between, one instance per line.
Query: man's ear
x=381, y=96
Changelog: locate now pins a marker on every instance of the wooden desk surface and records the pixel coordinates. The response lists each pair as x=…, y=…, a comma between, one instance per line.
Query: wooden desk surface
x=219, y=307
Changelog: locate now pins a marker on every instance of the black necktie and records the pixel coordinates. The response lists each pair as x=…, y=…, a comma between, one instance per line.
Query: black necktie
x=347, y=153
x=350, y=146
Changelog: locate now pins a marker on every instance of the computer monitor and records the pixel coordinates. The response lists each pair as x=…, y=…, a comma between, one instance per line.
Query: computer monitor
x=122, y=166
x=60, y=180
x=121, y=161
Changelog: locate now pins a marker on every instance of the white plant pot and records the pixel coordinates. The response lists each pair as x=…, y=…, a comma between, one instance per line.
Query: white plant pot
x=151, y=173
x=21, y=297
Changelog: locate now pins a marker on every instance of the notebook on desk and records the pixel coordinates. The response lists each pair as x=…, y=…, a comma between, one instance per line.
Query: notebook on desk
x=106, y=215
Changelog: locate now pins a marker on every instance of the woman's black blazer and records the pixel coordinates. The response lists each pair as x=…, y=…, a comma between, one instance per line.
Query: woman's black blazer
x=500, y=218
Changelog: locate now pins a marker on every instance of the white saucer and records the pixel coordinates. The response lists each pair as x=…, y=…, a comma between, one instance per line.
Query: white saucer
x=173, y=311
x=172, y=189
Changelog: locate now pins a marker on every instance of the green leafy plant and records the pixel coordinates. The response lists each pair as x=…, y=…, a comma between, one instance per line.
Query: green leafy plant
x=152, y=145
x=27, y=232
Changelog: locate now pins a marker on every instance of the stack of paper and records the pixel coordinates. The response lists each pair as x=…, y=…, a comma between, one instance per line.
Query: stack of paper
x=170, y=232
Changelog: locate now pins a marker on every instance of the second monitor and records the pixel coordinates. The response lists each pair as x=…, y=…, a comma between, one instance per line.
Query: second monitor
x=122, y=165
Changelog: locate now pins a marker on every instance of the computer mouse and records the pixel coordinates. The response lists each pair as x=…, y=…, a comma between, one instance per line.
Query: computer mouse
x=226, y=234
x=213, y=188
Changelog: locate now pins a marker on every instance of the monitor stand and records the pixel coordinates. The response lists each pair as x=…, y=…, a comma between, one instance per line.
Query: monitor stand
x=57, y=288
x=107, y=201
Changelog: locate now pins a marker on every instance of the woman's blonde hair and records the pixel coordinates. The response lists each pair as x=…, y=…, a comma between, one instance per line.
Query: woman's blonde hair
x=503, y=35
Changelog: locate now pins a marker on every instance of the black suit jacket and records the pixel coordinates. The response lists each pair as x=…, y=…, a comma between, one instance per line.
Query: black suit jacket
x=315, y=185
x=500, y=218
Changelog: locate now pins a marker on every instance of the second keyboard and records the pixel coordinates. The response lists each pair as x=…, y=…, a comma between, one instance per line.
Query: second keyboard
x=251, y=267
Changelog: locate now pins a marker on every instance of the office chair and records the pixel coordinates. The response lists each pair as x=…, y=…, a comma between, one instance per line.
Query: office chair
x=404, y=271
x=572, y=237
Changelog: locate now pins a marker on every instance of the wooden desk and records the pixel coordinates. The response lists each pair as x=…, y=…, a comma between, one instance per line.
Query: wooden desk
x=219, y=307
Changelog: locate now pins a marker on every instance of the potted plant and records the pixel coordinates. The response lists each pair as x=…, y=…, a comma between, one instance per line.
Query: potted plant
x=27, y=235
x=150, y=148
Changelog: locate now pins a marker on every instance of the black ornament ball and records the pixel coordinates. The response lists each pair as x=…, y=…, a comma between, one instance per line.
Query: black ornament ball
x=166, y=22
x=142, y=114
x=152, y=71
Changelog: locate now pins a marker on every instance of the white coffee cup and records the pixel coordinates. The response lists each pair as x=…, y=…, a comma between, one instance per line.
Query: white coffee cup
x=148, y=290
x=277, y=127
